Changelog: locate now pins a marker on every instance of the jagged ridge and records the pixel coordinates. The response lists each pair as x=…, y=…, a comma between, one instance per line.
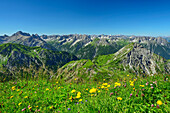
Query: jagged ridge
x=132, y=58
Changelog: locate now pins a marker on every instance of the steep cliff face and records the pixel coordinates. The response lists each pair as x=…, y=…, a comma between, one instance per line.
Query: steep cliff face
x=145, y=61
x=133, y=58
x=15, y=57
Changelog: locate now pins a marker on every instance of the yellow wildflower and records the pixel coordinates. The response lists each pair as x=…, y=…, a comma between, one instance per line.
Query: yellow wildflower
x=36, y=106
x=13, y=88
x=93, y=90
x=30, y=108
x=78, y=93
x=141, y=85
x=80, y=100
x=98, y=91
x=108, y=85
x=119, y=98
x=11, y=96
x=117, y=84
x=159, y=102
x=26, y=97
x=47, y=89
x=19, y=103
x=75, y=79
x=104, y=84
x=132, y=84
x=102, y=87
x=71, y=98
x=92, y=94
x=127, y=75
x=18, y=89
x=86, y=89
x=78, y=96
x=51, y=107
x=56, y=82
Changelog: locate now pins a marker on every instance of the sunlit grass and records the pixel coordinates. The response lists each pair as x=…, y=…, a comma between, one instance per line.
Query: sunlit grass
x=127, y=94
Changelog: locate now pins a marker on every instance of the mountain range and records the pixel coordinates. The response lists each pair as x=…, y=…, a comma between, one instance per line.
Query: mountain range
x=98, y=54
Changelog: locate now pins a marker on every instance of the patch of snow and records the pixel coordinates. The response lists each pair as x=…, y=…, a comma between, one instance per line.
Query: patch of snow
x=75, y=42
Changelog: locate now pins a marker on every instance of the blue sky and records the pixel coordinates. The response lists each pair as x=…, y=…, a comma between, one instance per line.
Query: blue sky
x=128, y=17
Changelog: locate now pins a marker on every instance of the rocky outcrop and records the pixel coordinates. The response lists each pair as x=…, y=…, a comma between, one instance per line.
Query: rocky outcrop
x=133, y=58
x=142, y=60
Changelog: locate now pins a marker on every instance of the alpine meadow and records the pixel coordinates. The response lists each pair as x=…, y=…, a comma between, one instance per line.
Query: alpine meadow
x=85, y=56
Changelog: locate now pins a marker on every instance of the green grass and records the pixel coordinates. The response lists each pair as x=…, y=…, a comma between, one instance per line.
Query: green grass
x=53, y=96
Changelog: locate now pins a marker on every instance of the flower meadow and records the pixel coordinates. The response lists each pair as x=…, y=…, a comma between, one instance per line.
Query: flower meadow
x=124, y=95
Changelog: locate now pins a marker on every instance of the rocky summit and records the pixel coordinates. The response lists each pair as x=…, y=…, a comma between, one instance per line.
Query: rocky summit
x=26, y=39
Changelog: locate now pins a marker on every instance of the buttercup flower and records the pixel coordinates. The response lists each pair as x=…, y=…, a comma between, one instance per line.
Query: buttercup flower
x=73, y=91
x=119, y=98
x=159, y=102
x=93, y=90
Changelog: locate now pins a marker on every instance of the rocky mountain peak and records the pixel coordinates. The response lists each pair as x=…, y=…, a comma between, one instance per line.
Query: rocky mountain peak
x=21, y=33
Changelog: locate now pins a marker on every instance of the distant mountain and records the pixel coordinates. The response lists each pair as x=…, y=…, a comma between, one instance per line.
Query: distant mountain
x=16, y=58
x=90, y=46
x=133, y=58
x=26, y=39
x=167, y=38
x=87, y=46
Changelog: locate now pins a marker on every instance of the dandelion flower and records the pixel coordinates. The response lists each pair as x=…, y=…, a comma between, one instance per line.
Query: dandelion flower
x=19, y=103
x=141, y=85
x=131, y=84
x=73, y=91
x=104, y=84
x=159, y=102
x=93, y=90
x=119, y=98
x=102, y=87
x=80, y=100
x=108, y=85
